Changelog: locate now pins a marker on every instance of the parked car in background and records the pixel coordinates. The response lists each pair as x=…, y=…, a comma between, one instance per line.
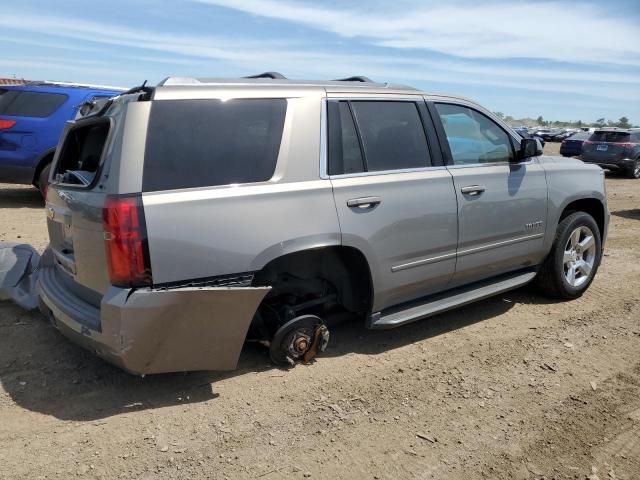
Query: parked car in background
x=615, y=149
x=32, y=117
x=572, y=146
x=553, y=134
x=524, y=132
x=183, y=220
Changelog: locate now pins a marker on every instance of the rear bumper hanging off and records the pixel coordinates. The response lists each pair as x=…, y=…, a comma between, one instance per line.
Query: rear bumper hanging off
x=150, y=330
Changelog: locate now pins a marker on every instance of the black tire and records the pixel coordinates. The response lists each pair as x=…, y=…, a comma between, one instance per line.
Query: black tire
x=634, y=171
x=43, y=180
x=551, y=278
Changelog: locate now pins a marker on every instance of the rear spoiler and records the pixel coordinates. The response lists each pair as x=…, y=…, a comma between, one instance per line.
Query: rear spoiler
x=98, y=107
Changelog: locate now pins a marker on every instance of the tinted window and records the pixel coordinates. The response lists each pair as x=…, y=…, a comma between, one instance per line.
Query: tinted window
x=29, y=104
x=197, y=143
x=392, y=135
x=614, y=137
x=472, y=137
x=345, y=155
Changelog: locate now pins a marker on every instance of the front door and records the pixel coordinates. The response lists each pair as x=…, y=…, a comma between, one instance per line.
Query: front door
x=502, y=205
x=394, y=198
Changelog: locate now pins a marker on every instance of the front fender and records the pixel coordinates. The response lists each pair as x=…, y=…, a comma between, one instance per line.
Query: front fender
x=570, y=180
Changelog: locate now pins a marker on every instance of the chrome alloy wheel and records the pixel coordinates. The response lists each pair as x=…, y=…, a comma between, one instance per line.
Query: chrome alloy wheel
x=579, y=256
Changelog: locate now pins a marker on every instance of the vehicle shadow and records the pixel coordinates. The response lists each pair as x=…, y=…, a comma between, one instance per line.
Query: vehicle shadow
x=20, y=197
x=43, y=372
x=633, y=214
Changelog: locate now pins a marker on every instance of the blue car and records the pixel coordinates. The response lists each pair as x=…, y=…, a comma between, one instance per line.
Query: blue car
x=32, y=117
x=572, y=146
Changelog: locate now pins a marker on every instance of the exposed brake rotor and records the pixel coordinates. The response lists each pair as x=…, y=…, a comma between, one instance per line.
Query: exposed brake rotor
x=300, y=339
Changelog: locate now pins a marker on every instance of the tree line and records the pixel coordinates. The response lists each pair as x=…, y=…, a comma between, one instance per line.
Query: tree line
x=623, y=122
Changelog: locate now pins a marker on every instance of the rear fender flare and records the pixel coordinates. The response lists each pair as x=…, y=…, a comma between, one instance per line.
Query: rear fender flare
x=310, y=242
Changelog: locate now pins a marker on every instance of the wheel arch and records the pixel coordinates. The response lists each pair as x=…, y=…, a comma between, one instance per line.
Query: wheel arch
x=593, y=206
x=43, y=160
x=345, y=267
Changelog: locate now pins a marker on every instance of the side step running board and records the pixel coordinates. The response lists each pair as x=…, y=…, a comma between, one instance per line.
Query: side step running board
x=426, y=307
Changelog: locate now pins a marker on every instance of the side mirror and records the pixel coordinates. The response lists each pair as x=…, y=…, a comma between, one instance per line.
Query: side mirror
x=529, y=147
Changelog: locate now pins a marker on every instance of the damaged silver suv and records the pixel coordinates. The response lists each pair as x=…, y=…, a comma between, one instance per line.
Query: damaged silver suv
x=187, y=218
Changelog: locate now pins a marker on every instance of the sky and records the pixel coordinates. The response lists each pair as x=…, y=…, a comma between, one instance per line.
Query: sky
x=564, y=60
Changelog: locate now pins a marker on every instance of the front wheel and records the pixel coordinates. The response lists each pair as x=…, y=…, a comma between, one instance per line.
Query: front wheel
x=634, y=170
x=574, y=258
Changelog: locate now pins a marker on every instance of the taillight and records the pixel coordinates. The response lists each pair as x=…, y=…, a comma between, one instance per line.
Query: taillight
x=6, y=124
x=125, y=235
x=625, y=145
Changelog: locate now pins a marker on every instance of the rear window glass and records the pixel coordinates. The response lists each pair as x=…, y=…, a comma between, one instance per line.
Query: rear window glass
x=197, y=143
x=81, y=153
x=579, y=136
x=613, y=137
x=29, y=104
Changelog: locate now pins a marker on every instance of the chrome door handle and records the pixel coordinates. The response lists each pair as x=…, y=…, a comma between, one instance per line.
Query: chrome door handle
x=472, y=190
x=364, y=202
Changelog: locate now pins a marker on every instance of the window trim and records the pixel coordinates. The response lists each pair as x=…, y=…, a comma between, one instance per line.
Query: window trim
x=435, y=154
x=444, y=143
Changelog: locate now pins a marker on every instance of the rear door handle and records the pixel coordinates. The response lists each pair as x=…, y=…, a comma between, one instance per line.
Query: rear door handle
x=472, y=189
x=364, y=202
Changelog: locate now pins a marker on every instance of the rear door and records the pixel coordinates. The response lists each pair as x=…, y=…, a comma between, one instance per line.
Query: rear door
x=502, y=206
x=395, y=199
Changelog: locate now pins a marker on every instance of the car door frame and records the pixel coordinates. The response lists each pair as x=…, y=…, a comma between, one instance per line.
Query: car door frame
x=380, y=298
x=515, y=140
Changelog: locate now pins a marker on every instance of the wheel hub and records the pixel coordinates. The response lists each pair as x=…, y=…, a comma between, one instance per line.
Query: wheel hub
x=579, y=256
x=300, y=344
x=299, y=340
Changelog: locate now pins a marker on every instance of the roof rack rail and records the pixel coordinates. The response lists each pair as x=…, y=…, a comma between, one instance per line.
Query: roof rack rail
x=72, y=84
x=271, y=75
x=355, y=78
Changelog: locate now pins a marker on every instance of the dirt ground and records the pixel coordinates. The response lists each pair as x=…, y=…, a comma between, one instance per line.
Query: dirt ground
x=514, y=387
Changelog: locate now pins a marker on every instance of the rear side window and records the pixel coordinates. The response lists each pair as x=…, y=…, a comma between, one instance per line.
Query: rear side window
x=613, y=137
x=473, y=137
x=81, y=153
x=392, y=135
x=388, y=136
x=198, y=143
x=29, y=104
